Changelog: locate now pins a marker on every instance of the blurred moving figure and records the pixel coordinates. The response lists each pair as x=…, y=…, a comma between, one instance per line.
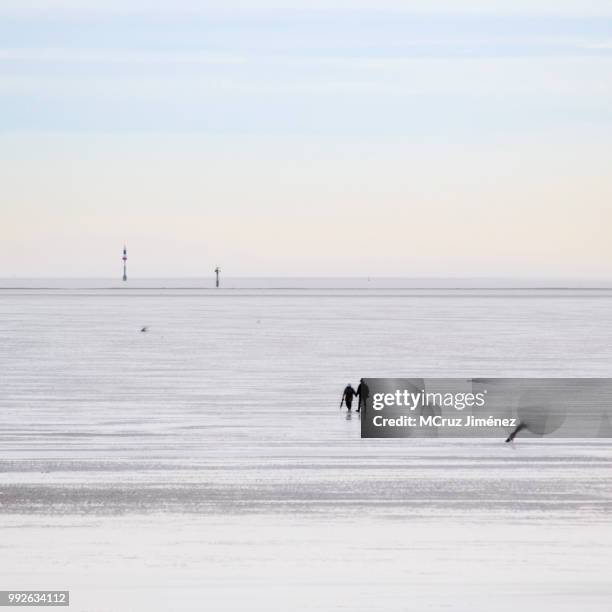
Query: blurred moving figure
x=518, y=428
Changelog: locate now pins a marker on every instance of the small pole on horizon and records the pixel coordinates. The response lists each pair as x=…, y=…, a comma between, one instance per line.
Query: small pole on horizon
x=217, y=270
x=124, y=262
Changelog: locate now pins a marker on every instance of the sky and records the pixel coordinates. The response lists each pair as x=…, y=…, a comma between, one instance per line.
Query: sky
x=362, y=138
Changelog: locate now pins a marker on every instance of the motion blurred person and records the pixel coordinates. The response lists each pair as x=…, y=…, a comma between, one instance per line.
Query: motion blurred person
x=347, y=396
x=518, y=428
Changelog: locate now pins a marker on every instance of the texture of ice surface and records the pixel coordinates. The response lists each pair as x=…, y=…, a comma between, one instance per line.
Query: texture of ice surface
x=205, y=464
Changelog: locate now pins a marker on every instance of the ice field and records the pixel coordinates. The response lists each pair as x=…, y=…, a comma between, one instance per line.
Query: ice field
x=205, y=464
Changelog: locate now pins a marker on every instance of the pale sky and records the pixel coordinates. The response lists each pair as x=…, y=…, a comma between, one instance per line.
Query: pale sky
x=439, y=138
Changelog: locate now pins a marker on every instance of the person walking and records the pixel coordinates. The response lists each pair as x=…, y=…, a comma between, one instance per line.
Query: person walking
x=363, y=392
x=347, y=396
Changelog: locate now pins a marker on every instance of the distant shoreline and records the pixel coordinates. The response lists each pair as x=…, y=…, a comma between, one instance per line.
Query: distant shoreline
x=307, y=284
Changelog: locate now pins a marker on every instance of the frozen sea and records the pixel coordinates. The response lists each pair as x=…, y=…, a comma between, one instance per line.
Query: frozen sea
x=205, y=464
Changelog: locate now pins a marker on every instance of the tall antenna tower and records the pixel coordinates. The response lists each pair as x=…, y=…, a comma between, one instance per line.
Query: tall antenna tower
x=124, y=258
x=217, y=270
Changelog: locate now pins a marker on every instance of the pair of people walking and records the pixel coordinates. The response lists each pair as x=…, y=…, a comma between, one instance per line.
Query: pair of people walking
x=363, y=392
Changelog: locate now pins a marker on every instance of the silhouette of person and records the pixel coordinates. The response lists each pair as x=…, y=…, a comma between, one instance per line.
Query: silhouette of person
x=347, y=396
x=363, y=392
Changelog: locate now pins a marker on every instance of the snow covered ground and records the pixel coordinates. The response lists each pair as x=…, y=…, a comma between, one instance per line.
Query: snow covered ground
x=205, y=464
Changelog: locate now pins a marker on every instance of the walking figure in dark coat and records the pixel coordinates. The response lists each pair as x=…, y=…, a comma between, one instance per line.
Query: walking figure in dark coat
x=347, y=396
x=363, y=391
